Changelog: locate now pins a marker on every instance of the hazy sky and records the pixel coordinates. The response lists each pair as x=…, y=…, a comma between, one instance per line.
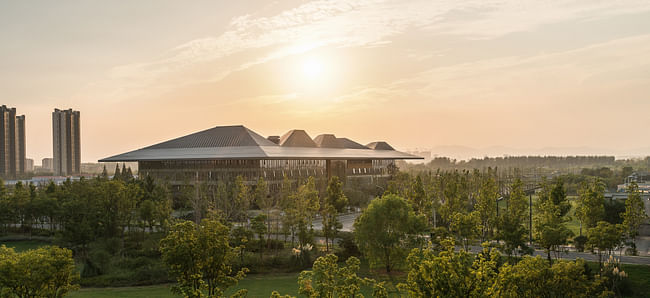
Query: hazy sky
x=512, y=73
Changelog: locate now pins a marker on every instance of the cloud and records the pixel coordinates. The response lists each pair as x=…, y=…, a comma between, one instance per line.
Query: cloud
x=251, y=40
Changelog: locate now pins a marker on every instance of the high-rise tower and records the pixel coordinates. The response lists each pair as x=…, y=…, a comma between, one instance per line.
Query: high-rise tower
x=66, y=136
x=12, y=143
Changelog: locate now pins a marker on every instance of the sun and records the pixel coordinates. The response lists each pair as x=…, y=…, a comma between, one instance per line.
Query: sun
x=312, y=68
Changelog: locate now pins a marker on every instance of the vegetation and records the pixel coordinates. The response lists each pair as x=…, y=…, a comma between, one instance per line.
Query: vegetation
x=121, y=231
x=42, y=272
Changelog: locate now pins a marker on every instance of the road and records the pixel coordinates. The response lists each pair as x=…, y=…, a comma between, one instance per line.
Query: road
x=643, y=245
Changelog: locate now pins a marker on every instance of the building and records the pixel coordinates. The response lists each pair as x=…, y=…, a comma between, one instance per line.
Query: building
x=66, y=139
x=29, y=165
x=47, y=164
x=12, y=143
x=225, y=152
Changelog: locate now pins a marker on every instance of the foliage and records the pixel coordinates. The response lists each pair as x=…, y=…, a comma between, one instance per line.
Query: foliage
x=511, y=228
x=634, y=214
x=466, y=227
x=486, y=203
x=604, y=237
x=591, y=208
x=200, y=257
x=449, y=273
x=550, y=217
x=387, y=229
x=534, y=277
x=327, y=279
x=43, y=272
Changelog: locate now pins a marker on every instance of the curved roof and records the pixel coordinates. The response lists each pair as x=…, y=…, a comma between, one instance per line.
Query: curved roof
x=296, y=138
x=380, y=145
x=220, y=136
x=239, y=142
x=327, y=141
x=350, y=144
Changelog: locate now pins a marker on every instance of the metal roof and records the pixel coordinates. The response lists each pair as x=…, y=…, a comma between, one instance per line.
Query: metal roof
x=380, y=146
x=238, y=142
x=350, y=144
x=327, y=141
x=297, y=138
x=220, y=136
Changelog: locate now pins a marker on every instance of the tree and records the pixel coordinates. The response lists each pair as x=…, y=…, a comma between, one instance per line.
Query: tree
x=534, y=277
x=591, y=208
x=486, y=204
x=242, y=198
x=604, y=237
x=634, y=214
x=264, y=201
x=465, y=226
x=331, y=224
x=449, y=273
x=511, y=229
x=304, y=208
x=328, y=280
x=258, y=224
x=104, y=174
x=417, y=197
x=335, y=202
x=550, y=218
x=335, y=196
x=386, y=230
x=117, y=175
x=200, y=258
x=43, y=272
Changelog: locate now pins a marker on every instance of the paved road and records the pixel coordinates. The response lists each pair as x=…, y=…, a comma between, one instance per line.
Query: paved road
x=643, y=245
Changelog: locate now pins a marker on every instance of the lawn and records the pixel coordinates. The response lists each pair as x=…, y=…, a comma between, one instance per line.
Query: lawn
x=20, y=246
x=257, y=285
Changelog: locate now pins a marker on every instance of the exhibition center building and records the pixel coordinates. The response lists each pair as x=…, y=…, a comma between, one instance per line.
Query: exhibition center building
x=225, y=152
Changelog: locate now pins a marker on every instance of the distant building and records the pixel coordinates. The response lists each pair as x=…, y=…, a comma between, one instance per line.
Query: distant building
x=29, y=165
x=225, y=152
x=47, y=164
x=66, y=140
x=12, y=143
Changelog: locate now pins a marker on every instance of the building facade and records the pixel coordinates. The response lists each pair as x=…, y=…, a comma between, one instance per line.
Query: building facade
x=12, y=143
x=225, y=152
x=66, y=137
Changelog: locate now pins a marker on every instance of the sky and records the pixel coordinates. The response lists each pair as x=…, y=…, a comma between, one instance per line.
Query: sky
x=504, y=77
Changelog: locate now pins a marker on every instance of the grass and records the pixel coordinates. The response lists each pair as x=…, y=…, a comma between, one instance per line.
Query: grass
x=127, y=292
x=20, y=246
x=257, y=285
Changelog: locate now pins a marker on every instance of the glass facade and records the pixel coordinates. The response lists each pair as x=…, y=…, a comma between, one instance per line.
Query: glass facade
x=272, y=170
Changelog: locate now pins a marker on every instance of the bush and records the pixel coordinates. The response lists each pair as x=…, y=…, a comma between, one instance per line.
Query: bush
x=346, y=246
x=579, y=242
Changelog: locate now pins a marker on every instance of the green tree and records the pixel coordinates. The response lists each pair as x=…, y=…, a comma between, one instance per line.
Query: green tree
x=604, y=237
x=486, y=203
x=449, y=273
x=335, y=196
x=386, y=230
x=117, y=175
x=305, y=207
x=634, y=214
x=265, y=201
x=534, y=277
x=328, y=280
x=242, y=198
x=258, y=225
x=550, y=228
x=591, y=205
x=43, y=272
x=200, y=258
x=466, y=227
x=331, y=224
x=511, y=228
